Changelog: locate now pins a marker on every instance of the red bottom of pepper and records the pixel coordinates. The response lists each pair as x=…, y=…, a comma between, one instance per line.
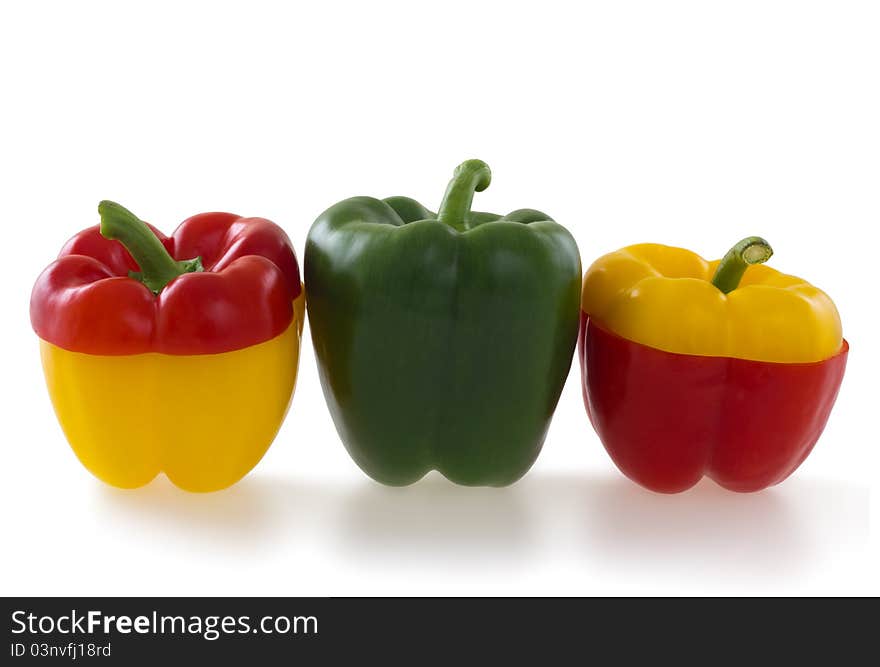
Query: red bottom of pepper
x=669, y=419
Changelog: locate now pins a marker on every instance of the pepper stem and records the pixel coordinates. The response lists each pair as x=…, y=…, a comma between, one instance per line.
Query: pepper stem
x=469, y=177
x=751, y=250
x=158, y=268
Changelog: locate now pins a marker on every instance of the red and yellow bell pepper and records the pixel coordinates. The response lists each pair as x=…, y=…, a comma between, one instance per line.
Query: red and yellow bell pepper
x=171, y=354
x=691, y=368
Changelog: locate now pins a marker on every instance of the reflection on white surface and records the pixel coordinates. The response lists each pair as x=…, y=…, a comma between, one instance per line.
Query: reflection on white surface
x=771, y=533
x=435, y=522
x=242, y=514
x=598, y=527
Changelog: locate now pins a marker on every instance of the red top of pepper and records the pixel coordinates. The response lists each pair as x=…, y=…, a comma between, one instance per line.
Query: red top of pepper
x=235, y=291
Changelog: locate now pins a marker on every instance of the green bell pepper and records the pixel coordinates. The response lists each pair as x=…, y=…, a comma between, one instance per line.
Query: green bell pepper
x=443, y=340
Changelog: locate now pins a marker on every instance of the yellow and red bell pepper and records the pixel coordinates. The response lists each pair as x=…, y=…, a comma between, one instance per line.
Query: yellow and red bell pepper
x=691, y=368
x=171, y=354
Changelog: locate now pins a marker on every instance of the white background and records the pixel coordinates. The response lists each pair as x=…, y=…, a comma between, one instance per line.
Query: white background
x=689, y=123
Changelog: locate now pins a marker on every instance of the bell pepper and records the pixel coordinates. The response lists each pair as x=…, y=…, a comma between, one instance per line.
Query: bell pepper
x=727, y=369
x=171, y=354
x=443, y=339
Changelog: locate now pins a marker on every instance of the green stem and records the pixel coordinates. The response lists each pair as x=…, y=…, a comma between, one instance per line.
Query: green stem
x=751, y=250
x=158, y=268
x=469, y=177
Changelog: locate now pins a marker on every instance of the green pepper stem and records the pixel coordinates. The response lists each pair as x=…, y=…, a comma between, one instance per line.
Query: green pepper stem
x=158, y=267
x=469, y=177
x=751, y=250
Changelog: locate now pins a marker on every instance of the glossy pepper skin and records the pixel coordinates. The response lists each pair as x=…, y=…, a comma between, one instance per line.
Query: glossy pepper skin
x=443, y=340
x=185, y=368
x=726, y=369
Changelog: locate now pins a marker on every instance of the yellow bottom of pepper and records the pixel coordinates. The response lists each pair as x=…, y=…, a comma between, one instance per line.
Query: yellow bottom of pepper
x=204, y=420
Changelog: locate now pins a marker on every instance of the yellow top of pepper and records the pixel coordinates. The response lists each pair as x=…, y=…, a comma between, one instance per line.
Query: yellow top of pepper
x=664, y=297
